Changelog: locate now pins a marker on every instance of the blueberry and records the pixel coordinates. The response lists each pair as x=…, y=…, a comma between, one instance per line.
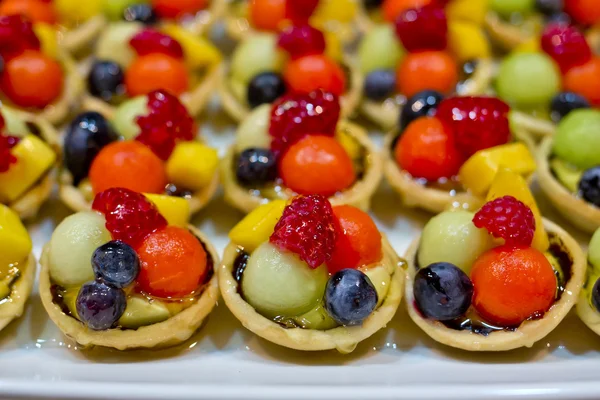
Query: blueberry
x=419, y=105
x=141, y=13
x=380, y=84
x=442, y=291
x=100, y=306
x=549, y=7
x=116, y=263
x=589, y=185
x=265, y=88
x=370, y=4
x=256, y=167
x=559, y=18
x=596, y=295
x=106, y=80
x=87, y=134
x=350, y=297
x=565, y=102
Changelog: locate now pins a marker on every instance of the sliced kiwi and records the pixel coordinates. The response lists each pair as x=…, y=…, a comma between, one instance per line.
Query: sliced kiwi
x=125, y=117
x=567, y=174
x=142, y=312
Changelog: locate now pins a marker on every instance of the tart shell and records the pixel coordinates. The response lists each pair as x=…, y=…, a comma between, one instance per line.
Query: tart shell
x=238, y=110
x=171, y=332
x=344, y=339
x=587, y=314
x=504, y=34
x=19, y=294
x=30, y=202
x=580, y=213
x=75, y=40
x=528, y=332
x=358, y=195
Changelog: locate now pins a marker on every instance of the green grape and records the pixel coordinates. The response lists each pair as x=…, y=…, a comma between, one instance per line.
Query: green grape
x=278, y=284
x=577, y=138
x=114, y=8
x=452, y=237
x=528, y=80
x=253, y=131
x=380, y=49
x=124, y=119
x=113, y=43
x=71, y=247
x=14, y=124
x=255, y=55
x=507, y=7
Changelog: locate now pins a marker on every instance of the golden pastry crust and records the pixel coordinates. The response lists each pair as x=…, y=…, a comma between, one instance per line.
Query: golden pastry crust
x=171, y=332
x=387, y=113
x=73, y=88
x=343, y=339
x=589, y=315
x=528, y=332
x=204, y=20
x=21, y=289
x=579, y=212
x=414, y=194
x=76, y=39
x=358, y=195
x=30, y=202
x=504, y=34
x=537, y=128
x=239, y=110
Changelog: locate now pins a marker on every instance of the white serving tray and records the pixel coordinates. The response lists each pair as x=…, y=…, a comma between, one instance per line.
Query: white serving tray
x=225, y=361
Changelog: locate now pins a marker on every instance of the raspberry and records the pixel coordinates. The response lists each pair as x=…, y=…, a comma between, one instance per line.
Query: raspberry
x=566, y=45
x=423, y=28
x=478, y=122
x=302, y=40
x=150, y=41
x=300, y=11
x=16, y=35
x=167, y=122
x=307, y=228
x=509, y=219
x=6, y=156
x=295, y=115
x=130, y=217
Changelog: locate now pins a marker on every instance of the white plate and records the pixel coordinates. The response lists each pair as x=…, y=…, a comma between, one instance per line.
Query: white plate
x=225, y=361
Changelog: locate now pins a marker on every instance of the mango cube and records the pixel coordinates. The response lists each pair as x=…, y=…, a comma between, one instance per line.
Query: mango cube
x=199, y=52
x=343, y=11
x=48, y=37
x=532, y=45
x=468, y=10
x=15, y=243
x=176, y=210
x=192, y=165
x=257, y=227
x=510, y=183
x=478, y=172
x=467, y=41
x=34, y=158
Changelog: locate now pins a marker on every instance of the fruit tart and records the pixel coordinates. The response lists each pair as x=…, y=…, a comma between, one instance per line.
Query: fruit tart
x=496, y=280
x=337, y=18
x=131, y=60
x=424, y=47
x=588, y=305
x=149, y=146
x=569, y=168
x=195, y=16
x=265, y=66
x=17, y=266
x=311, y=276
x=37, y=75
x=542, y=85
x=447, y=151
x=300, y=146
x=130, y=273
x=29, y=146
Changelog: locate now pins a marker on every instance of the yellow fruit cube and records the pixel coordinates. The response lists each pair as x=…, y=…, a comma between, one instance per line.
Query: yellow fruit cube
x=467, y=41
x=509, y=183
x=478, y=172
x=351, y=145
x=531, y=45
x=15, y=243
x=48, y=37
x=34, y=158
x=343, y=11
x=72, y=12
x=333, y=46
x=176, y=210
x=192, y=165
x=199, y=52
x=257, y=227
x=467, y=10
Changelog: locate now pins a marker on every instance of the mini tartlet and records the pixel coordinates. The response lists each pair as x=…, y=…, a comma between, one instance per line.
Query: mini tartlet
x=469, y=164
x=150, y=145
x=27, y=181
x=476, y=315
x=588, y=305
x=254, y=169
x=150, y=282
x=298, y=304
x=425, y=48
x=17, y=266
x=130, y=60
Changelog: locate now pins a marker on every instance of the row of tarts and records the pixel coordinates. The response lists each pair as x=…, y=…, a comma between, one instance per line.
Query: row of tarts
x=306, y=268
